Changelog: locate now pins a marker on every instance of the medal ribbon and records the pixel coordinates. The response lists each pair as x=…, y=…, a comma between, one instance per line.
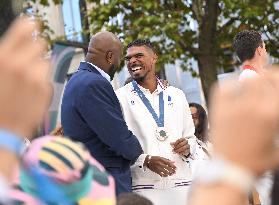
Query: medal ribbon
x=159, y=120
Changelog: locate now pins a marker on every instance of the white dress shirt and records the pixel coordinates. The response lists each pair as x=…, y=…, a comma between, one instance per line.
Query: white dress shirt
x=247, y=73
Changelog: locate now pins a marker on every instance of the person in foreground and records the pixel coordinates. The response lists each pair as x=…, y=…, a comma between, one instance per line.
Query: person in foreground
x=91, y=113
x=250, y=49
x=57, y=170
x=245, y=140
x=25, y=94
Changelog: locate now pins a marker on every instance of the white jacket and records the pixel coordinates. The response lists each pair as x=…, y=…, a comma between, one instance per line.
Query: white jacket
x=178, y=123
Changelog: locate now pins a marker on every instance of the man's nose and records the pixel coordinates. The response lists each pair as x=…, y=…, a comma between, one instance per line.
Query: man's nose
x=132, y=61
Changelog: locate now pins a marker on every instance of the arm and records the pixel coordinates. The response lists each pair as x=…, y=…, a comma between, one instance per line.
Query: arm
x=100, y=108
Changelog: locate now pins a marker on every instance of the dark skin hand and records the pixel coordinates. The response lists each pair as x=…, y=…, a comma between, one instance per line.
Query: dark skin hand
x=160, y=165
x=181, y=146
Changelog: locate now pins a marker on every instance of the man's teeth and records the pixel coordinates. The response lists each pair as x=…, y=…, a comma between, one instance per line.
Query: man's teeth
x=136, y=68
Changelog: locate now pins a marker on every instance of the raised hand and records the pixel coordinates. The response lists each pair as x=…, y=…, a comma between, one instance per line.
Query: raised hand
x=24, y=84
x=244, y=122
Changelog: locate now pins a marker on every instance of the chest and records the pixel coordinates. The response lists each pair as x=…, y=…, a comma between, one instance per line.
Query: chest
x=139, y=110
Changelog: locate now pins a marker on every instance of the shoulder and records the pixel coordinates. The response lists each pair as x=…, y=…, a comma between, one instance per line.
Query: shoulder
x=247, y=73
x=86, y=77
x=86, y=83
x=90, y=79
x=175, y=91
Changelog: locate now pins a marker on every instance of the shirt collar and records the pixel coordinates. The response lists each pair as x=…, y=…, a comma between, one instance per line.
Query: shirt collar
x=103, y=73
x=245, y=67
x=159, y=88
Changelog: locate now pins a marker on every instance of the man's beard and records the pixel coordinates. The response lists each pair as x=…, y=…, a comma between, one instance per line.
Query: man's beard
x=139, y=79
x=112, y=71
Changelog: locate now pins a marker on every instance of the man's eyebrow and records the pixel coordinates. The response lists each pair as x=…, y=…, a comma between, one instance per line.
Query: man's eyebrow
x=136, y=54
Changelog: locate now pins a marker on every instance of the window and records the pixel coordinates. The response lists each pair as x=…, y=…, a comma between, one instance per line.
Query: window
x=72, y=20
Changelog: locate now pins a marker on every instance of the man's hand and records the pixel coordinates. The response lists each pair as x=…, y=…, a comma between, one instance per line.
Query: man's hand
x=181, y=146
x=24, y=84
x=161, y=166
x=244, y=122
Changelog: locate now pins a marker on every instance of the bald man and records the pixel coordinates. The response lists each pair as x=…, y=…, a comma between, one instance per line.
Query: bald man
x=91, y=112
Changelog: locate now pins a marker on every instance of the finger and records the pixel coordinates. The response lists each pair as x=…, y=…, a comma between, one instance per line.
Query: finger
x=168, y=163
x=20, y=31
x=174, y=144
x=41, y=70
x=168, y=171
x=162, y=174
x=182, y=150
x=25, y=60
x=181, y=144
x=159, y=169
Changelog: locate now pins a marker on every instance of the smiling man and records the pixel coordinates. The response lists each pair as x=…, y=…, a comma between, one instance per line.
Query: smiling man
x=157, y=116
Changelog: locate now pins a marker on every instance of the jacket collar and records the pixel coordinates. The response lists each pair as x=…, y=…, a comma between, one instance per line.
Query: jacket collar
x=93, y=68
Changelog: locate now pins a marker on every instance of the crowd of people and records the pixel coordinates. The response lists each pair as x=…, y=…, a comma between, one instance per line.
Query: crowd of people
x=142, y=144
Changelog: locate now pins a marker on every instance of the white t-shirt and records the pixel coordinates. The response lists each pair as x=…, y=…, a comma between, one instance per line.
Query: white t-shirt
x=178, y=123
x=247, y=73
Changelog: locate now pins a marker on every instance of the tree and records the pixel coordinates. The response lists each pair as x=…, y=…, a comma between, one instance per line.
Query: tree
x=185, y=29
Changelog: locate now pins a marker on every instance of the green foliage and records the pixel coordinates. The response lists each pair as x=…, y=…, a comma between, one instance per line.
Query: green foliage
x=186, y=29
x=260, y=15
x=45, y=2
x=173, y=25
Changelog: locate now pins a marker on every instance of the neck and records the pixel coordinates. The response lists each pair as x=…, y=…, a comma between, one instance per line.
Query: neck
x=96, y=62
x=149, y=83
x=255, y=64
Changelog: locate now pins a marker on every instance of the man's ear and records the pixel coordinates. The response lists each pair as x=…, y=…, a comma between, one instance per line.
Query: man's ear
x=155, y=58
x=259, y=50
x=109, y=56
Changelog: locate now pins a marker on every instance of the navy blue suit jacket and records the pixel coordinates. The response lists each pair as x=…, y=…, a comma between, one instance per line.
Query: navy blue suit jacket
x=91, y=114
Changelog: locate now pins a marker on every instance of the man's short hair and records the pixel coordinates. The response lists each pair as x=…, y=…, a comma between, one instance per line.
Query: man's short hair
x=245, y=44
x=132, y=199
x=142, y=42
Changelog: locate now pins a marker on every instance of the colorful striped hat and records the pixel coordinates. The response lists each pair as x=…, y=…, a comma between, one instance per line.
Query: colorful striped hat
x=56, y=170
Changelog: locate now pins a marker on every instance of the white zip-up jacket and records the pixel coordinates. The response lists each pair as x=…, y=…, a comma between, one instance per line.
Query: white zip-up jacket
x=178, y=123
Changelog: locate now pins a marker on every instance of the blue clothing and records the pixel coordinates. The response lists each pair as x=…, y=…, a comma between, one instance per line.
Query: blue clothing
x=91, y=114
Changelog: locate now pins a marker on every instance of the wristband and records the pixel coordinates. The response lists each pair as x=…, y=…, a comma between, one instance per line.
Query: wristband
x=11, y=141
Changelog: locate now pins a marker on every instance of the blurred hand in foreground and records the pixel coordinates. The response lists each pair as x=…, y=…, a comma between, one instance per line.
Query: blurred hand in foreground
x=245, y=122
x=25, y=88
